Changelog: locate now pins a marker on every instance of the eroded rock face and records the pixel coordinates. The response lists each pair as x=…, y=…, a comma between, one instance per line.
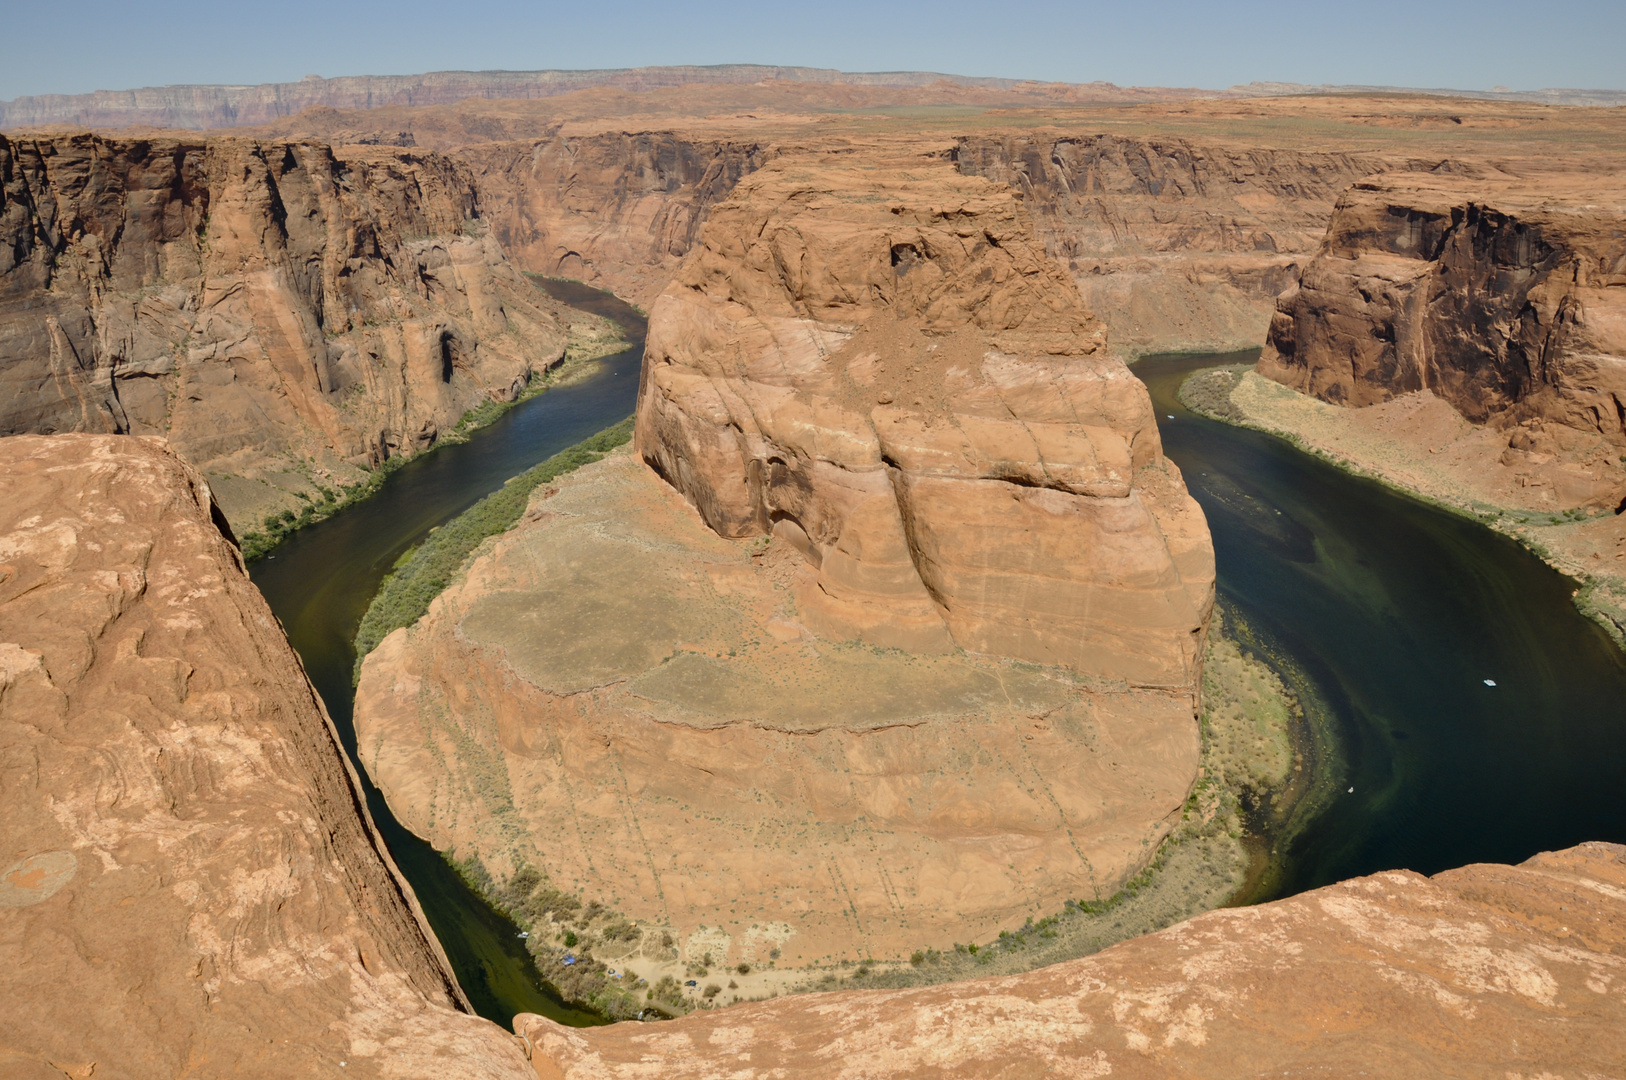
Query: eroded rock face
x=269, y=307
x=618, y=210
x=1174, y=243
x=1485, y=971
x=189, y=880
x=1506, y=298
x=882, y=366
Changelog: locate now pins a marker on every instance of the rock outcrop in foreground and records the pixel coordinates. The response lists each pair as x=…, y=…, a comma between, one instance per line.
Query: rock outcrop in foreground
x=882, y=366
x=285, y=316
x=189, y=881
x=1487, y=971
x=1504, y=298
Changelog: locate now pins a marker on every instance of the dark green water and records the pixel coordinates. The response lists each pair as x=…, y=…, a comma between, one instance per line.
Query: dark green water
x=320, y=580
x=1396, y=612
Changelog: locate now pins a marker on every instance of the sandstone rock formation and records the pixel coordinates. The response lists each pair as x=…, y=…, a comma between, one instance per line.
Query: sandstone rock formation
x=618, y=210
x=924, y=662
x=281, y=314
x=189, y=880
x=884, y=368
x=1486, y=971
x=1505, y=298
x=1176, y=243
x=619, y=698
x=1180, y=220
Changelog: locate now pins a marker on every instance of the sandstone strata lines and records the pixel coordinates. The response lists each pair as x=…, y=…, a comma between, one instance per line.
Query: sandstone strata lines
x=887, y=371
x=189, y=882
x=285, y=316
x=615, y=209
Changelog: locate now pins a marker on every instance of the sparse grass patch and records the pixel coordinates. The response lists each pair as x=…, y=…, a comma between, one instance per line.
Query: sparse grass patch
x=424, y=572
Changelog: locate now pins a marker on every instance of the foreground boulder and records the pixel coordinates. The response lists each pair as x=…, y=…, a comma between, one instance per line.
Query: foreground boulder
x=1486, y=971
x=190, y=883
x=1503, y=297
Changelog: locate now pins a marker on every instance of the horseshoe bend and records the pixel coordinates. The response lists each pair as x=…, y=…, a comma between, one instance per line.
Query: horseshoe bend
x=884, y=636
x=909, y=686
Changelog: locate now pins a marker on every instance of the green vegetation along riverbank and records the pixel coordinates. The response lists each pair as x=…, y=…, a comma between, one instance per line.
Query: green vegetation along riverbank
x=1582, y=543
x=424, y=572
x=591, y=338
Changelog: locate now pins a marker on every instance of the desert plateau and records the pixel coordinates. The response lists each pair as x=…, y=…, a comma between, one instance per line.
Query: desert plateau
x=768, y=571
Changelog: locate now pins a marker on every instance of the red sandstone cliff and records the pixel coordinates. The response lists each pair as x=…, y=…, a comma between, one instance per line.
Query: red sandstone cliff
x=270, y=307
x=1504, y=297
x=1175, y=243
x=880, y=363
x=189, y=880
x=618, y=210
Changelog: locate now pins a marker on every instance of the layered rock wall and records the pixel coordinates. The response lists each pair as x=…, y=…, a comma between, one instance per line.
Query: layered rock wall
x=1175, y=244
x=617, y=210
x=190, y=882
x=268, y=306
x=1506, y=298
x=883, y=366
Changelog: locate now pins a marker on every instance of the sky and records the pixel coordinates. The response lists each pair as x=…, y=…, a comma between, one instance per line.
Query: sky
x=1462, y=44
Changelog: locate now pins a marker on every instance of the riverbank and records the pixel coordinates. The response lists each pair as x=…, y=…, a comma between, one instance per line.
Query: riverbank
x=424, y=571
x=590, y=338
x=1419, y=445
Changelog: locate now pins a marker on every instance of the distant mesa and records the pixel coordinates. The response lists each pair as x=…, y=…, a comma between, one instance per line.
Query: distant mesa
x=215, y=106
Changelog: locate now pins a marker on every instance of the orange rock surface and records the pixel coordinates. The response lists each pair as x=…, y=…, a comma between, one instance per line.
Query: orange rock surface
x=1487, y=971
x=882, y=366
x=189, y=880
x=1505, y=296
x=281, y=314
x=902, y=650
x=636, y=707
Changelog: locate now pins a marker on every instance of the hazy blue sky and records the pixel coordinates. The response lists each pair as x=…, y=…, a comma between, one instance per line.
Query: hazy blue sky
x=95, y=44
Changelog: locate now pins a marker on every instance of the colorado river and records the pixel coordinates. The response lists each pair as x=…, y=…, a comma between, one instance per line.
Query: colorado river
x=1390, y=613
x=1397, y=614
x=320, y=580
